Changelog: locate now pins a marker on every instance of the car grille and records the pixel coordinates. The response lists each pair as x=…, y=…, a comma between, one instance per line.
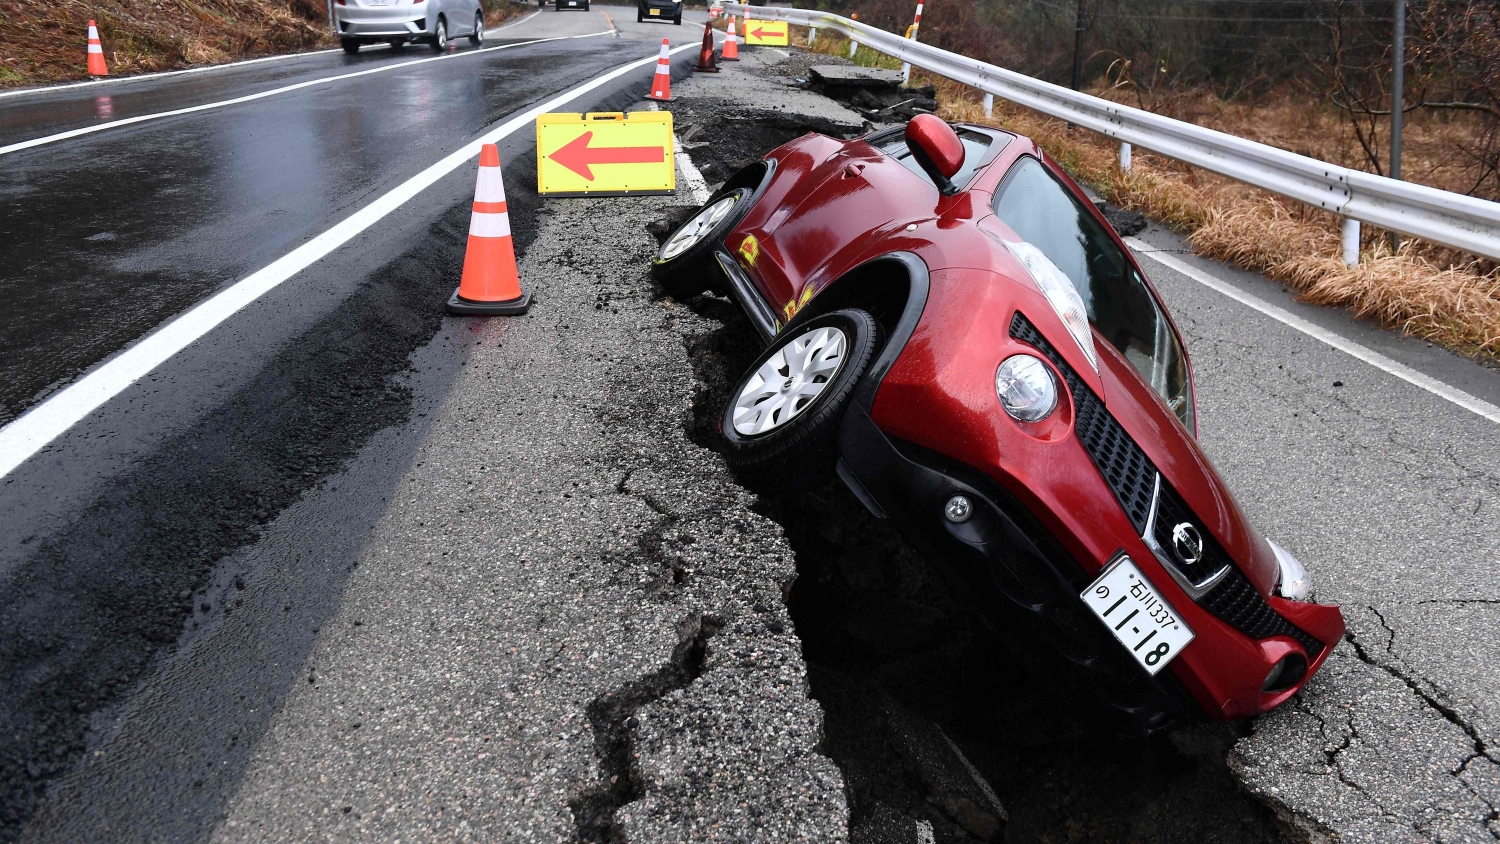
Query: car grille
x=1131, y=475
x=1236, y=601
x=1121, y=462
x=1171, y=511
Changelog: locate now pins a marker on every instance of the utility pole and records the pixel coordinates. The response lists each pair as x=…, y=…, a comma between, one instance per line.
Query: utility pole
x=1082, y=20
x=1398, y=93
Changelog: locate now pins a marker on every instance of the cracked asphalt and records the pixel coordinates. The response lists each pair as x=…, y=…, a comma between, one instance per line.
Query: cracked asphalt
x=1391, y=497
x=457, y=579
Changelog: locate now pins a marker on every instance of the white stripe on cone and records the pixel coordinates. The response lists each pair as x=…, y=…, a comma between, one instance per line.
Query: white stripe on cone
x=95, y=48
x=491, y=185
x=483, y=224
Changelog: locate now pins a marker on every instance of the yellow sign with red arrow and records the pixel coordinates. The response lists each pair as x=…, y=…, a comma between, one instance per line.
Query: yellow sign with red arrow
x=765, y=33
x=605, y=154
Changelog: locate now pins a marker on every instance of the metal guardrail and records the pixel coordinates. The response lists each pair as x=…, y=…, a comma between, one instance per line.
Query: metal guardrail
x=1461, y=222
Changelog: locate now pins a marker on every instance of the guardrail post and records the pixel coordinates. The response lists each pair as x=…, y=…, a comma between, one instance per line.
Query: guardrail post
x=1124, y=157
x=812, y=35
x=1351, y=241
x=989, y=105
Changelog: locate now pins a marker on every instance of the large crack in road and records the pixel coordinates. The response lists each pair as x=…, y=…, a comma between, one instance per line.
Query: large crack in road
x=939, y=728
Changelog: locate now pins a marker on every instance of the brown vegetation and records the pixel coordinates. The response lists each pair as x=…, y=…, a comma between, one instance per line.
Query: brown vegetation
x=45, y=39
x=1423, y=290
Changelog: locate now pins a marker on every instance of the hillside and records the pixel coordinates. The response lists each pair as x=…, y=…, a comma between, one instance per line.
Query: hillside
x=45, y=39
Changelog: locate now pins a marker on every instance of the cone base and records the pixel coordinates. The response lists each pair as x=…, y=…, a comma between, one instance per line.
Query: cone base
x=697, y=69
x=662, y=99
x=512, y=307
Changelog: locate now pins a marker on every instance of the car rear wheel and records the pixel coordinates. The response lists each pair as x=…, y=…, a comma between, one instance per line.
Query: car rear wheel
x=478, y=37
x=640, y=15
x=678, y=20
x=350, y=46
x=780, y=426
x=685, y=264
x=440, y=36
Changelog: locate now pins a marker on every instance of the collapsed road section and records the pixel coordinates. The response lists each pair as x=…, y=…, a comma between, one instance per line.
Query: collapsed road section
x=568, y=622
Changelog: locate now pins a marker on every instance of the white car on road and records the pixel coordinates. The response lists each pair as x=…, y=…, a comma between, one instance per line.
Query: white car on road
x=397, y=22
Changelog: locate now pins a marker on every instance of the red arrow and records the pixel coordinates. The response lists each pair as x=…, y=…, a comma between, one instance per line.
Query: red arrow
x=577, y=155
x=758, y=32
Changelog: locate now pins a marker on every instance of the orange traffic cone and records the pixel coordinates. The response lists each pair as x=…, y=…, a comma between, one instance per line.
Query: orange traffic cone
x=661, y=86
x=706, y=62
x=731, y=44
x=96, y=53
x=490, y=283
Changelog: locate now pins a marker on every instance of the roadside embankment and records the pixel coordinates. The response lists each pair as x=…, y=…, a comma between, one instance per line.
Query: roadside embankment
x=44, y=41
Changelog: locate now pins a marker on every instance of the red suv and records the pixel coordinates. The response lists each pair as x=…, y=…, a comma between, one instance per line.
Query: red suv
x=956, y=331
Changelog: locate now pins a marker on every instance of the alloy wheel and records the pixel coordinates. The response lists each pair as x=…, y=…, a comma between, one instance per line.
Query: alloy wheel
x=789, y=381
x=697, y=228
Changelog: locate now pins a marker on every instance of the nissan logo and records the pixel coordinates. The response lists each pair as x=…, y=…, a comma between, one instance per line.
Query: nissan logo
x=1187, y=542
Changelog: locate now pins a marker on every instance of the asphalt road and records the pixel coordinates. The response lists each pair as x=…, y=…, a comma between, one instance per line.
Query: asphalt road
x=345, y=568
x=115, y=535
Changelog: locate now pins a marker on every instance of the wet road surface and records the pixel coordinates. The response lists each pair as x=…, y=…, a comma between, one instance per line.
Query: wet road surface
x=294, y=503
x=107, y=235
x=111, y=529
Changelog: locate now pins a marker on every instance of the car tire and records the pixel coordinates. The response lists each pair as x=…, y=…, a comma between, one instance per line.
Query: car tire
x=350, y=46
x=397, y=43
x=678, y=20
x=685, y=268
x=797, y=444
x=440, y=36
x=477, y=38
x=640, y=15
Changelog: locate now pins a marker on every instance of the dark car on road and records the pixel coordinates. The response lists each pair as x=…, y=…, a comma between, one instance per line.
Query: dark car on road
x=954, y=330
x=665, y=10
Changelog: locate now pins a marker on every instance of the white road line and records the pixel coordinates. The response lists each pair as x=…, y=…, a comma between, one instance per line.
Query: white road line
x=327, y=80
x=697, y=188
x=138, y=77
x=1464, y=400
x=39, y=426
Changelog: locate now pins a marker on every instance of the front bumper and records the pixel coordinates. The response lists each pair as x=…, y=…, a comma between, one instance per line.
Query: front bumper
x=1046, y=521
x=383, y=21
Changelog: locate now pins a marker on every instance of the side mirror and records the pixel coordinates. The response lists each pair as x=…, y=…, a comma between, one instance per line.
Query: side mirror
x=937, y=148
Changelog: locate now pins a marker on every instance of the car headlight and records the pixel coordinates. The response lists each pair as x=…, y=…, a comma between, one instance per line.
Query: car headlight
x=1026, y=389
x=1060, y=293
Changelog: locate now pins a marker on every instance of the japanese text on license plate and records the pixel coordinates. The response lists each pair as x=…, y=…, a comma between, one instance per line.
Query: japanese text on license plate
x=1139, y=618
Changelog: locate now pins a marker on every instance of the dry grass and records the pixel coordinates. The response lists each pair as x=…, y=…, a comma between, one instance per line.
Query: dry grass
x=1424, y=290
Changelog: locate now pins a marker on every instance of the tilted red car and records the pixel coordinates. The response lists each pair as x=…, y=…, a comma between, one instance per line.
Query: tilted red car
x=956, y=331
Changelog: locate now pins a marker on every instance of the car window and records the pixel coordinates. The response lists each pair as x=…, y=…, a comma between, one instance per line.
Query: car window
x=976, y=144
x=1044, y=213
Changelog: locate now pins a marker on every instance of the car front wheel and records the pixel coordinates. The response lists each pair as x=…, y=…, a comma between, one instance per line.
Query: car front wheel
x=350, y=46
x=440, y=36
x=780, y=426
x=478, y=37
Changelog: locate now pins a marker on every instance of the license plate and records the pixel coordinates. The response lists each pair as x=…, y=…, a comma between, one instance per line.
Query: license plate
x=1145, y=624
x=654, y=12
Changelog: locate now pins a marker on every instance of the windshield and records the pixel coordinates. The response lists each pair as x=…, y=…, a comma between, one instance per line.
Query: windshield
x=1044, y=213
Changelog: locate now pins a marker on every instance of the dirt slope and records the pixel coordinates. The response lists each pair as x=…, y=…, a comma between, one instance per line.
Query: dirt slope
x=44, y=40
